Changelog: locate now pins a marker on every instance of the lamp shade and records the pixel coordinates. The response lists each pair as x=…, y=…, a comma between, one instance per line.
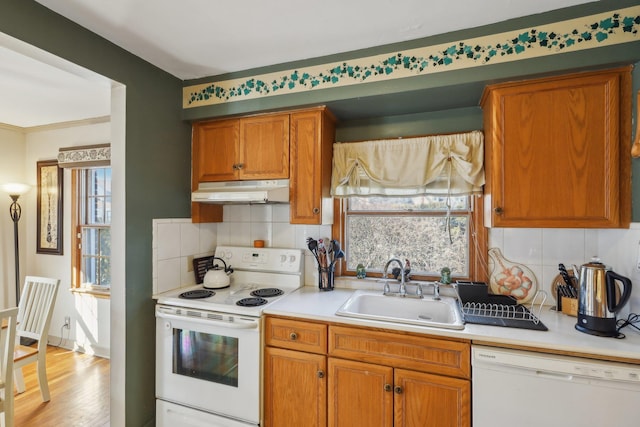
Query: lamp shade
x=15, y=189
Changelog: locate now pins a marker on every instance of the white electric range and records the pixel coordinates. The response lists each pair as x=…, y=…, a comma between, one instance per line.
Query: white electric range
x=208, y=369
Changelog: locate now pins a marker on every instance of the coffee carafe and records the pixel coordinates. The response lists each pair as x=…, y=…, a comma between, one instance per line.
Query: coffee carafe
x=600, y=299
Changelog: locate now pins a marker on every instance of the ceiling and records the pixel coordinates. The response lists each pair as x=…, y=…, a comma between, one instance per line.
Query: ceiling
x=200, y=38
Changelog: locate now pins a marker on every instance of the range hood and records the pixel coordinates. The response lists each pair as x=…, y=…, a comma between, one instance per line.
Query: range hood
x=242, y=192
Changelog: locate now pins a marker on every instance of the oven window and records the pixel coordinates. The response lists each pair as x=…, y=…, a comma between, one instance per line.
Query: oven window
x=205, y=356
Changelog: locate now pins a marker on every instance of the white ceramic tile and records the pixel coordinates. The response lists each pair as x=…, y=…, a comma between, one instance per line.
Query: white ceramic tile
x=208, y=237
x=222, y=234
x=496, y=238
x=523, y=245
x=281, y=213
x=168, y=274
x=305, y=231
x=284, y=235
x=189, y=239
x=236, y=213
x=239, y=234
x=187, y=278
x=591, y=245
x=262, y=231
x=261, y=213
x=562, y=246
x=168, y=240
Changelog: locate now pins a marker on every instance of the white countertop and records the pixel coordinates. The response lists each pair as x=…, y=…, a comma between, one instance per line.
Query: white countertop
x=310, y=303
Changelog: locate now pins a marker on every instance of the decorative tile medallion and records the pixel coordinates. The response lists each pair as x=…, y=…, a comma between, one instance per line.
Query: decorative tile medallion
x=609, y=28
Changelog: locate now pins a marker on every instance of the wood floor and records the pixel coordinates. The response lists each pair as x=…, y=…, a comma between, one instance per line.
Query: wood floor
x=79, y=387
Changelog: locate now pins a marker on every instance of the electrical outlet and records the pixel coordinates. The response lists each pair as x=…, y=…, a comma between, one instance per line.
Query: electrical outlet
x=67, y=322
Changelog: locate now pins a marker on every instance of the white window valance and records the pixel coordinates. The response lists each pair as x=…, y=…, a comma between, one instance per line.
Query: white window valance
x=437, y=165
x=85, y=156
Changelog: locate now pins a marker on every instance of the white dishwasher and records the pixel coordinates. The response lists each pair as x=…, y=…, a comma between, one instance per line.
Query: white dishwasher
x=519, y=388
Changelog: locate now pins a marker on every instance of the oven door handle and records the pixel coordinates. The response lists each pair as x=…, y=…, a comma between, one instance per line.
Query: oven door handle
x=246, y=324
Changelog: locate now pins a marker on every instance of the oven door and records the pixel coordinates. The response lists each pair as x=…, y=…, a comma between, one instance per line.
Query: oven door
x=209, y=361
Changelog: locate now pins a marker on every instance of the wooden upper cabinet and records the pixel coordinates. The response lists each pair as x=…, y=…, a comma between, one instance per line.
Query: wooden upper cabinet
x=264, y=147
x=241, y=149
x=312, y=137
x=557, y=151
x=215, y=151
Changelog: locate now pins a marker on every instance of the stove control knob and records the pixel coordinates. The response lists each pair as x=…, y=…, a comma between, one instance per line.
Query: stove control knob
x=228, y=255
x=283, y=258
x=292, y=259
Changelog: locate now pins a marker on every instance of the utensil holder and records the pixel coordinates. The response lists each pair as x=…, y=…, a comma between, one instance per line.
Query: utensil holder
x=325, y=277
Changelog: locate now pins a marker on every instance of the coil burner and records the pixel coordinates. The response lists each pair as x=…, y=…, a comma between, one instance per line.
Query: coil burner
x=197, y=294
x=267, y=292
x=251, y=302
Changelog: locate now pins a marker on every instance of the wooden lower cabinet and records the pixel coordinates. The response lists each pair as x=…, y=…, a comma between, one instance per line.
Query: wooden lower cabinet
x=295, y=389
x=360, y=379
x=425, y=400
x=366, y=394
x=360, y=394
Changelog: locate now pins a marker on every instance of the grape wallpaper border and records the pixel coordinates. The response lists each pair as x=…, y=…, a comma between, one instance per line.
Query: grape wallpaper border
x=605, y=29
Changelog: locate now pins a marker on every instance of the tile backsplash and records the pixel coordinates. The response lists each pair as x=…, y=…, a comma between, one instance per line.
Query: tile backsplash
x=176, y=241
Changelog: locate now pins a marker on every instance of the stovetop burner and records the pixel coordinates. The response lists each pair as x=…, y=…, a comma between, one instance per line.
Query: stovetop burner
x=197, y=294
x=251, y=302
x=267, y=292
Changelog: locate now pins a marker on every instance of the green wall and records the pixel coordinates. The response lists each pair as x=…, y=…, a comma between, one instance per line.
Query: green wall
x=157, y=170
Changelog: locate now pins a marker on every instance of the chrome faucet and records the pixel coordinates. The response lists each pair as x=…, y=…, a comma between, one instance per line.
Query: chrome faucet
x=403, y=290
x=436, y=290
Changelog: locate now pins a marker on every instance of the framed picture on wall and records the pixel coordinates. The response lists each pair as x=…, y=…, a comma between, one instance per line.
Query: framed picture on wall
x=49, y=208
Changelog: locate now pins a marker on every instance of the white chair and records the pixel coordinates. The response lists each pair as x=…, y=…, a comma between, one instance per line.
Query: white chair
x=34, y=316
x=7, y=344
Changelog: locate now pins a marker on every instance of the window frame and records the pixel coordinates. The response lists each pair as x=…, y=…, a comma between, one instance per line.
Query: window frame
x=76, y=237
x=478, y=242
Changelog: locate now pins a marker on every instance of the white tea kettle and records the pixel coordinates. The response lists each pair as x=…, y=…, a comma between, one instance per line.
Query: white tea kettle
x=218, y=277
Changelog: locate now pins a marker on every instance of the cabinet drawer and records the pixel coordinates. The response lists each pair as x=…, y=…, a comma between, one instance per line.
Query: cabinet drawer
x=440, y=356
x=296, y=335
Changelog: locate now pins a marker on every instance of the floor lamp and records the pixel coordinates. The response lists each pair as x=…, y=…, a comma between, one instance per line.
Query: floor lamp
x=15, y=191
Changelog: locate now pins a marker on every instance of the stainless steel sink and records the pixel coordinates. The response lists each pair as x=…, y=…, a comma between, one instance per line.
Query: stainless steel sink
x=443, y=313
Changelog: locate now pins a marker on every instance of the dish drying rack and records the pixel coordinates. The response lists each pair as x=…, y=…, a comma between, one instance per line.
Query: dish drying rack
x=509, y=313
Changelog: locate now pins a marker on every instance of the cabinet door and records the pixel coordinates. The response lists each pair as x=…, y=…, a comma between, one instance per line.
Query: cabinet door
x=312, y=135
x=554, y=154
x=264, y=148
x=427, y=400
x=295, y=388
x=215, y=150
x=359, y=394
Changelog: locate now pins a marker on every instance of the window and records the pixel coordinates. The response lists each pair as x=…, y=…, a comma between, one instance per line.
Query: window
x=422, y=229
x=92, y=225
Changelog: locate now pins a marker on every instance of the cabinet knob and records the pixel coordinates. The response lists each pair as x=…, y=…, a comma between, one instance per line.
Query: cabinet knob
x=240, y=165
x=316, y=211
x=320, y=374
x=387, y=387
x=398, y=389
x=293, y=336
x=498, y=210
x=234, y=167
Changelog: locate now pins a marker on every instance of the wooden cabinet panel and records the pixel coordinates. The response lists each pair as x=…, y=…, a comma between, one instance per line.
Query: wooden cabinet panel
x=312, y=137
x=421, y=353
x=556, y=153
x=215, y=150
x=264, y=147
x=295, y=392
x=359, y=394
x=296, y=335
x=426, y=400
